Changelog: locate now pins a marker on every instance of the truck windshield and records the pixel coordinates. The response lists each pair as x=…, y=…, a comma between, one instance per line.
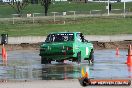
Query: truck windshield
x=61, y=37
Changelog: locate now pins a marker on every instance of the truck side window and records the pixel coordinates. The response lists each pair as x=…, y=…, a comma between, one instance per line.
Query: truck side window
x=58, y=38
x=48, y=39
x=79, y=37
x=82, y=37
x=71, y=38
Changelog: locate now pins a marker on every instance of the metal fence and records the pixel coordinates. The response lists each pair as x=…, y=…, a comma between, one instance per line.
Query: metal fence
x=62, y=17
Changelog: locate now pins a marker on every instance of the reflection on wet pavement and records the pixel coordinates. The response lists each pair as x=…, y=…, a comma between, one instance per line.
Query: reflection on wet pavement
x=25, y=65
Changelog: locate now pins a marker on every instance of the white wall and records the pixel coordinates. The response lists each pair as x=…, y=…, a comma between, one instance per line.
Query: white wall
x=10, y=0
x=60, y=0
x=6, y=0
x=38, y=39
x=126, y=0
x=110, y=1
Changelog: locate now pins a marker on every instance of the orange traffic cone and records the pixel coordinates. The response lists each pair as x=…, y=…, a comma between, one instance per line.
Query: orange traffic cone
x=4, y=54
x=86, y=75
x=117, y=51
x=129, y=56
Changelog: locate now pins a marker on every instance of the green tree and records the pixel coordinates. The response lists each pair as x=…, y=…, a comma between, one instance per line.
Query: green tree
x=86, y=1
x=45, y=4
x=19, y=5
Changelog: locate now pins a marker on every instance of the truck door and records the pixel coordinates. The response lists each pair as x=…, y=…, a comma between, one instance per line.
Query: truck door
x=82, y=45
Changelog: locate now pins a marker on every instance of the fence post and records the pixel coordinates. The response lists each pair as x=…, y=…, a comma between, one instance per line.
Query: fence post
x=74, y=14
x=124, y=9
x=13, y=18
x=34, y=16
x=54, y=15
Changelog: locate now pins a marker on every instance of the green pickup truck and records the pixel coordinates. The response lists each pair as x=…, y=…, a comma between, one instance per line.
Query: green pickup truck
x=62, y=46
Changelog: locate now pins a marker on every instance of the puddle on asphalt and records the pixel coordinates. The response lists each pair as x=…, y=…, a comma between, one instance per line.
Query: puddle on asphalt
x=25, y=65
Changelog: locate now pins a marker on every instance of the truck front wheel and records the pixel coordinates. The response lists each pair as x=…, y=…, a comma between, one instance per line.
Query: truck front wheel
x=91, y=57
x=79, y=57
x=45, y=61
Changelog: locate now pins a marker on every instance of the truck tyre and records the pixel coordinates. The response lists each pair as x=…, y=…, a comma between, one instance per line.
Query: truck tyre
x=79, y=57
x=91, y=57
x=45, y=61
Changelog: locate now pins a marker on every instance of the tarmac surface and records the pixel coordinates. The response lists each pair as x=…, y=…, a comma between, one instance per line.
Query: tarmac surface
x=26, y=65
x=108, y=67
x=68, y=83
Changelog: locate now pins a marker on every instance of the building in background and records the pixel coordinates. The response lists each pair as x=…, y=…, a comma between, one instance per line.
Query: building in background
x=59, y=0
x=11, y=0
x=79, y=0
x=32, y=1
x=126, y=0
x=101, y=0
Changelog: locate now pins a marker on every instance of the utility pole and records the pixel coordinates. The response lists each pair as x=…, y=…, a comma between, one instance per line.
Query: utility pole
x=124, y=9
x=108, y=7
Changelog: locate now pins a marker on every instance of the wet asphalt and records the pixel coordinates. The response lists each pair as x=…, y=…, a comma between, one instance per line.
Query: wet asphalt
x=26, y=65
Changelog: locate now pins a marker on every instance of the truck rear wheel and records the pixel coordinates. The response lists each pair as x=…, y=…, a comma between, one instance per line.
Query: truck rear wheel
x=91, y=57
x=45, y=61
x=79, y=57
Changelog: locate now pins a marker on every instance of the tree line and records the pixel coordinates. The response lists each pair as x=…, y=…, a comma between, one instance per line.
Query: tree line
x=19, y=5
